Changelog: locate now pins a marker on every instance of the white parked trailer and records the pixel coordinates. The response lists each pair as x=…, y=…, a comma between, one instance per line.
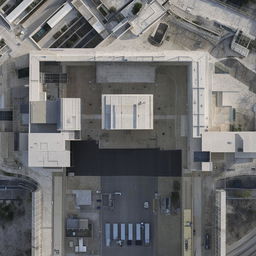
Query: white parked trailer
x=147, y=233
x=122, y=232
x=115, y=231
x=130, y=232
x=107, y=234
x=138, y=232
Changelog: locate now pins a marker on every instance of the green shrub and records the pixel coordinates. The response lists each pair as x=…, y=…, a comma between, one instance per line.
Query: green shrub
x=112, y=9
x=57, y=34
x=136, y=8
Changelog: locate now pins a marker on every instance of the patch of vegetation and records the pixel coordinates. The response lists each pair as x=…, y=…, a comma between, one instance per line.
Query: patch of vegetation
x=112, y=9
x=197, y=22
x=176, y=185
x=64, y=28
x=136, y=8
x=7, y=211
x=234, y=128
x=103, y=11
x=242, y=193
x=238, y=3
x=175, y=200
x=2, y=2
x=241, y=218
x=8, y=174
x=6, y=7
x=57, y=34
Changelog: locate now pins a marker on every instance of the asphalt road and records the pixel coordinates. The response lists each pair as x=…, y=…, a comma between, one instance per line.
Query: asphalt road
x=17, y=184
x=197, y=214
x=208, y=213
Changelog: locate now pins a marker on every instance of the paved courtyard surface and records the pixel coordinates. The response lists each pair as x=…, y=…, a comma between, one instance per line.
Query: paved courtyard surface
x=170, y=107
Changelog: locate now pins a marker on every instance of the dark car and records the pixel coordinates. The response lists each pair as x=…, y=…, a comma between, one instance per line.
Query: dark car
x=207, y=242
x=186, y=245
x=158, y=35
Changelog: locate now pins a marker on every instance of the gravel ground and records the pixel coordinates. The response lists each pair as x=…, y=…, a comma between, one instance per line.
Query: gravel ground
x=241, y=219
x=15, y=223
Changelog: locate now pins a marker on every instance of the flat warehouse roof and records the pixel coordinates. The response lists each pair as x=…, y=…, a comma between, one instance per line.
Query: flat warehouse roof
x=89, y=160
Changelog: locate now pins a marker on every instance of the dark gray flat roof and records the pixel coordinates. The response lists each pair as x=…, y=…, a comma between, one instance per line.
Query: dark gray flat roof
x=88, y=160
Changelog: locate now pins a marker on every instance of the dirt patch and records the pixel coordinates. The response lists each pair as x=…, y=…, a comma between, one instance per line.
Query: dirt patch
x=15, y=223
x=241, y=218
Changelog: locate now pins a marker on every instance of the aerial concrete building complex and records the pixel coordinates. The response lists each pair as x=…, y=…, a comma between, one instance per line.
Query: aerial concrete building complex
x=130, y=127
x=57, y=119
x=103, y=124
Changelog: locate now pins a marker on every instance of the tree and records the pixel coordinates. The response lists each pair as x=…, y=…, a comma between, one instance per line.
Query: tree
x=136, y=8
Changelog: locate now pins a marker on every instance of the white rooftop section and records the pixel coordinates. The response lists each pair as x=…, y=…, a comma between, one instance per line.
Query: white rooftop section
x=80, y=247
x=83, y=197
x=127, y=111
x=70, y=114
x=229, y=142
x=59, y=15
x=206, y=166
x=200, y=94
x=48, y=150
x=18, y=10
x=218, y=142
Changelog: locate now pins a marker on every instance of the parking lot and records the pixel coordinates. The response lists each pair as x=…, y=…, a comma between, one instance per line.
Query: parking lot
x=128, y=207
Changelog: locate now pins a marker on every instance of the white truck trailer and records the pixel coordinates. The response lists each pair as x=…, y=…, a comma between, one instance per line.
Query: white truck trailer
x=107, y=234
x=147, y=233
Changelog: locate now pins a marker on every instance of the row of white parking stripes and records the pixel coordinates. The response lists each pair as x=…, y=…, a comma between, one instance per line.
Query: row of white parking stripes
x=127, y=233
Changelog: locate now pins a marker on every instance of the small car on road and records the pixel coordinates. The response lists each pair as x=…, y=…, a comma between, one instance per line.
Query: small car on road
x=207, y=242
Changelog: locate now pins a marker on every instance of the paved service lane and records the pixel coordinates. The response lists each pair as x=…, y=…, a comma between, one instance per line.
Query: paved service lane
x=197, y=211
